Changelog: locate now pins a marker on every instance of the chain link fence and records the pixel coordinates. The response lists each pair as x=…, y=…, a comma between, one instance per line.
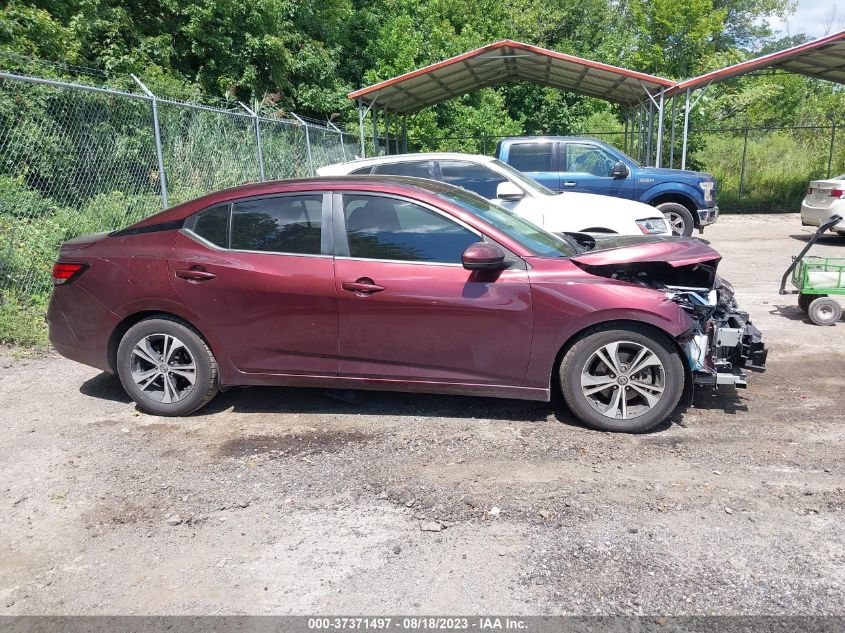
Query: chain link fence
x=78, y=158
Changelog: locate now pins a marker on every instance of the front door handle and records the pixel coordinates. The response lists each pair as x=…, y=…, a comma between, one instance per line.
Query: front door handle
x=362, y=287
x=195, y=274
x=570, y=183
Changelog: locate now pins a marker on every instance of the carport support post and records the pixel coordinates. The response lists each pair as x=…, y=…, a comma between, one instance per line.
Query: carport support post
x=659, y=159
x=832, y=141
x=374, y=115
x=361, y=115
x=744, y=154
x=672, y=136
x=686, y=132
x=405, y=134
x=157, y=132
x=625, y=142
x=650, y=132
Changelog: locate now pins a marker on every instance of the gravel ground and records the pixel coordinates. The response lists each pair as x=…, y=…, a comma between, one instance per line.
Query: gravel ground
x=285, y=501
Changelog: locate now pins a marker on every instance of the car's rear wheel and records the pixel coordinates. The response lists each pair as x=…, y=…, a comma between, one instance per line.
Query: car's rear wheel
x=824, y=311
x=626, y=379
x=166, y=367
x=678, y=217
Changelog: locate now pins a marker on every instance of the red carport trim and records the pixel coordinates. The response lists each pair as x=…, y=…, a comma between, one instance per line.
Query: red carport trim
x=520, y=46
x=758, y=62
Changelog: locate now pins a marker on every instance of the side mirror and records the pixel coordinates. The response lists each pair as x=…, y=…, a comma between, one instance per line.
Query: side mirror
x=509, y=191
x=483, y=256
x=620, y=170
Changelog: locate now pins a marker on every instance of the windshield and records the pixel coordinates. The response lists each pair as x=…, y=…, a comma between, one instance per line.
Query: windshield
x=522, y=179
x=539, y=241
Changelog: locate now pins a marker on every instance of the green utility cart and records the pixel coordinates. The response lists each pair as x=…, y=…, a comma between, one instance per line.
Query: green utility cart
x=816, y=278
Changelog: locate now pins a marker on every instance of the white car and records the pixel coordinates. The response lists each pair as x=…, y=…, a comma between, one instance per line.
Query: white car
x=500, y=183
x=824, y=198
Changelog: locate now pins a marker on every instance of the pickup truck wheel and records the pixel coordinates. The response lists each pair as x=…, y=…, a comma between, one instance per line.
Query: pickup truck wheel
x=824, y=311
x=625, y=380
x=679, y=218
x=166, y=367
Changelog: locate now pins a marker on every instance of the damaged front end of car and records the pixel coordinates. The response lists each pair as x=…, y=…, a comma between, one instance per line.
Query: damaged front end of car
x=723, y=343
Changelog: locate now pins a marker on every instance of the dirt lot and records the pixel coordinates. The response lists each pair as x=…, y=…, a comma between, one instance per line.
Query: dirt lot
x=286, y=501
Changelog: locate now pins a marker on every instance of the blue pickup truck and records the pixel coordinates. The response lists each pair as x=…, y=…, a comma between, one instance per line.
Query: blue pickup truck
x=566, y=163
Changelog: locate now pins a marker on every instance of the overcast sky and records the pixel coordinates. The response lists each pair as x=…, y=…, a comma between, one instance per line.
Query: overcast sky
x=816, y=18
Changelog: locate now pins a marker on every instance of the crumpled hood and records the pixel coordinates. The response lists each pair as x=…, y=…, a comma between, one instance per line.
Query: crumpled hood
x=675, y=251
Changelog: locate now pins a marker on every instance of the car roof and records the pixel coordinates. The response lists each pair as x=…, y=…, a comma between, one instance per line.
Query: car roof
x=269, y=187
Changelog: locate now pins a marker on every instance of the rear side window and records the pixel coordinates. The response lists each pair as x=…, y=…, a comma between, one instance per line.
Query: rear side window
x=531, y=156
x=285, y=224
x=395, y=229
x=417, y=169
x=213, y=225
x=476, y=178
x=361, y=171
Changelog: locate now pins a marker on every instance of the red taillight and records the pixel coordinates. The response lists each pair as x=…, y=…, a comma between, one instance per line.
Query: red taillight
x=64, y=272
x=837, y=193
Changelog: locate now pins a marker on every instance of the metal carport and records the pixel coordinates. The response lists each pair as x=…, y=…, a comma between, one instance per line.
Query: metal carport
x=645, y=95
x=501, y=62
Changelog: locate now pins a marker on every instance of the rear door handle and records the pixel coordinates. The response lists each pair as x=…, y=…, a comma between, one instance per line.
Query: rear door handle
x=362, y=287
x=194, y=274
x=570, y=183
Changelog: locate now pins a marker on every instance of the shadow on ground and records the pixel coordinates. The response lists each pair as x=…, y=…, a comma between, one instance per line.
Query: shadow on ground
x=302, y=400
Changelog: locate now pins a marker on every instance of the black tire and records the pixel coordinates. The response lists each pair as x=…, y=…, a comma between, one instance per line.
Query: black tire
x=679, y=218
x=188, y=350
x=575, y=363
x=805, y=300
x=824, y=311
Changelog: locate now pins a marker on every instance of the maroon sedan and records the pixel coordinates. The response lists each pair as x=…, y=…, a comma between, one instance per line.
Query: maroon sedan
x=398, y=284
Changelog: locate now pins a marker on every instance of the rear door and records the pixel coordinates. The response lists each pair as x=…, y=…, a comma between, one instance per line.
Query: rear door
x=259, y=273
x=537, y=159
x=410, y=311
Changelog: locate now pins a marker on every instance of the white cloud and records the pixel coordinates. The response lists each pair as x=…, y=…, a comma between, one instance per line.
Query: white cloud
x=816, y=18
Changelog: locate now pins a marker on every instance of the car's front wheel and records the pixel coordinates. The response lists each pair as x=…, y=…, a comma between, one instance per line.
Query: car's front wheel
x=166, y=367
x=626, y=379
x=678, y=217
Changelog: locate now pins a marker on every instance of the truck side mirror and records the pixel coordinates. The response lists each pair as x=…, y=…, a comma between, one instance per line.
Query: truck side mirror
x=620, y=170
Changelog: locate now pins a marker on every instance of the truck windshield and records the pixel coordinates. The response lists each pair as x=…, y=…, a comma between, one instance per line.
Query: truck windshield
x=522, y=179
x=539, y=241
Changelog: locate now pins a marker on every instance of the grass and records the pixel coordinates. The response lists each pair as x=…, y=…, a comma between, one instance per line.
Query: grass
x=22, y=321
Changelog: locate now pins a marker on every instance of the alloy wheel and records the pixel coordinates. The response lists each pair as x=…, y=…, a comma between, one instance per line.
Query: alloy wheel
x=623, y=380
x=676, y=222
x=163, y=368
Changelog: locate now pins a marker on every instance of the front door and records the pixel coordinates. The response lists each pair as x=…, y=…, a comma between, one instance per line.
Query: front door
x=259, y=274
x=409, y=310
x=587, y=167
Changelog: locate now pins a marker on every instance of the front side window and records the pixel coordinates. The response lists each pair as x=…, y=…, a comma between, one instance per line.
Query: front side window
x=477, y=178
x=537, y=240
x=213, y=225
x=531, y=156
x=588, y=159
x=417, y=169
x=391, y=228
x=284, y=224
